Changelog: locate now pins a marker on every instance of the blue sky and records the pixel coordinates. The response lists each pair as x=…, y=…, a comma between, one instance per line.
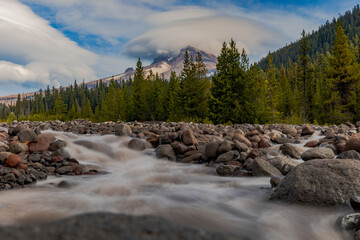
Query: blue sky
x=52, y=42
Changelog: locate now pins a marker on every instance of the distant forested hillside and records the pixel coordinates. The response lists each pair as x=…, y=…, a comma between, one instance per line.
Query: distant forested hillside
x=320, y=41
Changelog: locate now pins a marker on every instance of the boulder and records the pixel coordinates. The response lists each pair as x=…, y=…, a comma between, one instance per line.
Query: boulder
x=26, y=135
x=13, y=161
x=61, y=152
x=326, y=182
x=211, y=150
x=229, y=156
x=307, y=130
x=289, y=131
x=17, y=147
x=275, y=180
x=188, y=137
x=179, y=147
x=283, y=140
x=243, y=139
x=58, y=144
x=227, y=170
x=122, y=130
x=329, y=133
x=352, y=154
x=136, y=144
x=318, y=153
x=261, y=167
x=4, y=156
x=195, y=157
x=264, y=143
x=312, y=144
x=241, y=147
x=165, y=151
x=3, y=147
x=39, y=145
x=353, y=143
x=153, y=139
x=290, y=150
x=279, y=162
x=225, y=146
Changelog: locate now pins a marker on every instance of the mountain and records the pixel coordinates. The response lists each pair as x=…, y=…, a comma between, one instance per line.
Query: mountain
x=320, y=41
x=161, y=65
x=165, y=65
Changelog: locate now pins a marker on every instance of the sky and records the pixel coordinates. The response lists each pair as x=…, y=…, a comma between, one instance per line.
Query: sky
x=54, y=42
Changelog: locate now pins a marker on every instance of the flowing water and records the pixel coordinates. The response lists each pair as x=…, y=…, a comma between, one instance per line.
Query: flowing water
x=193, y=195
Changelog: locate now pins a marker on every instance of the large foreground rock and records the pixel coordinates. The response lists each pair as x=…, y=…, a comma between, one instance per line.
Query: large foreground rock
x=261, y=167
x=325, y=182
x=107, y=226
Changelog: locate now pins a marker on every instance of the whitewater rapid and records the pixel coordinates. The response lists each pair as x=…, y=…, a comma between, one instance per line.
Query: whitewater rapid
x=139, y=184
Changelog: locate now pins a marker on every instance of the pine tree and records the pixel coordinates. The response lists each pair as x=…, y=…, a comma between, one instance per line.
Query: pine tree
x=137, y=96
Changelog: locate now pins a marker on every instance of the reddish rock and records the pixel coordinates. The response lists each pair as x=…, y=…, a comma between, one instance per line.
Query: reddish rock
x=4, y=136
x=39, y=145
x=22, y=167
x=13, y=161
x=312, y=144
x=188, y=137
x=307, y=130
x=243, y=139
x=153, y=139
x=353, y=143
x=264, y=143
x=340, y=147
x=57, y=159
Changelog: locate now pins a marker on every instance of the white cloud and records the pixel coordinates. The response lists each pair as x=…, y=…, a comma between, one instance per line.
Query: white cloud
x=38, y=52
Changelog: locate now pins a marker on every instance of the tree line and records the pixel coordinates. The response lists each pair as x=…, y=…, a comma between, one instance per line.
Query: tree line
x=320, y=90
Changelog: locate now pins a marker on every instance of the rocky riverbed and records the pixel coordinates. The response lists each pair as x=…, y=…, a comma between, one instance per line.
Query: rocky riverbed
x=307, y=165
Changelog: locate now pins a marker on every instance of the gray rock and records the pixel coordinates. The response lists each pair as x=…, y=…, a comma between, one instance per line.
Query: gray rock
x=4, y=156
x=227, y=170
x=248, y=165
x=26, y=135
x=58, y=144
x=165, y=151
x=291, y=151
x=225, y=146
x=352, y=154
x=122, y=130
x=279, y=162
x=229, y=156
x=283, y=140
x=351, y=221
x=242, y=147
x=329, y=133
x=211, y=150
x=188, y=137
x=17, y=147
x=64, y=170
x=318, y=153
x=326, y=182
x=136, y=144
x=261, y=167
x=108, y=226
x=196, y=157
x=61, y=152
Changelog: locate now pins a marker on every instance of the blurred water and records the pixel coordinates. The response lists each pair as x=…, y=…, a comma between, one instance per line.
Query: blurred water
x=193, y=195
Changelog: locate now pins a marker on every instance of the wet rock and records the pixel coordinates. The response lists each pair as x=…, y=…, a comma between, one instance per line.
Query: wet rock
x=326, y=182
x=248, y=165
x=287, y=168
x=64, y=184
x=188, y=137
x=13, y=161
x=283, y=140
x=254, y=153
x=165, y=151
x=61, y=152
x=264, y=143
x=329, y=133
x=153, y=139
x=10, y=177
x=225, y=146
x=291, y=151
x=136, y=144
x=58, y=144
x=275, y=180
x=242, y=173
x=351, y=221
x=26, y=135
x=229, y=156
x=352, y=154
x=16, y=130
x=280, y=161
x=355, y=203
x=312, y=144
x=318, y=153
x=179, y=148
x=227, y=170
x=289, y=131
x=39, y=145
x=17, y=147
x=307, y=130
x=261, y=167
x=235, y=163
x=64, y=170
x=122, y=130
x=241, y=147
